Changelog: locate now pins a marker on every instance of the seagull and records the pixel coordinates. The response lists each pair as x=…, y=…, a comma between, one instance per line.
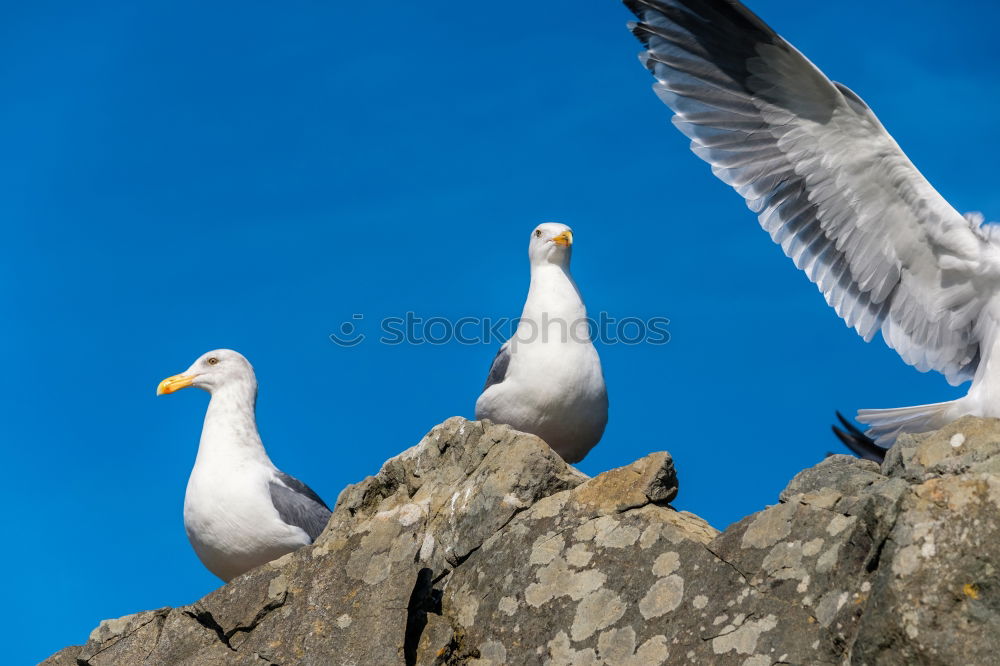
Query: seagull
x=547, y=378
x=833, y=188
x=240, y=511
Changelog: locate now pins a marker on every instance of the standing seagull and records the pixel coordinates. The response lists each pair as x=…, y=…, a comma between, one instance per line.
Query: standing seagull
x=547, y=379
x=840, y=197
x=240, y=511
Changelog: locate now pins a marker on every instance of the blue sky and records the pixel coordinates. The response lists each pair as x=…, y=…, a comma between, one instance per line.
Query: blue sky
x=183, y=176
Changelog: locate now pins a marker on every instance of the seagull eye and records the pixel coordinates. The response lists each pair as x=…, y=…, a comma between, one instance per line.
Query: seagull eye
x=538, y=233
x=213, y=361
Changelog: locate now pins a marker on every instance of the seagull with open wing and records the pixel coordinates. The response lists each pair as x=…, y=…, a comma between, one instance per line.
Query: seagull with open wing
x=832, y=187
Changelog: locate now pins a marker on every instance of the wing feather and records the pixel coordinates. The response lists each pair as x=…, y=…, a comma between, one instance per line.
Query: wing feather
x=498, y=369
x=826, y=180
x=297, y=504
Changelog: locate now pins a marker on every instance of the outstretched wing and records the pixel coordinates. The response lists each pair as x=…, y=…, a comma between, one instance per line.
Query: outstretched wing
x=827, y=181
x=498, y=371
x=298, y=505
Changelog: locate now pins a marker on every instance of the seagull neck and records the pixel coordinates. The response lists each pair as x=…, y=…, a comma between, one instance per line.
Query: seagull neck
x=553, y=301
x=230, y=429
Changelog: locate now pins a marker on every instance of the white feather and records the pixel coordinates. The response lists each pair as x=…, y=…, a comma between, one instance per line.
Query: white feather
x=833, y=188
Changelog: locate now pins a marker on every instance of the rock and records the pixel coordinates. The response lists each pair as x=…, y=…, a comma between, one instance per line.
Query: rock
x=65, y=657
x=597, y=562
x=967, y=445
x=481, y=546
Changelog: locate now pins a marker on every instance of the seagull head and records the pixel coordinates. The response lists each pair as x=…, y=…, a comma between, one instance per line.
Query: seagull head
x=551, y=242
x=211, y=371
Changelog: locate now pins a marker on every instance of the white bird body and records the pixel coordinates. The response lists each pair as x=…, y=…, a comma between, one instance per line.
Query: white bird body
x=982, y=399
x=227, y=492
x=236, y=511
x=552, y=384
x=833, y=188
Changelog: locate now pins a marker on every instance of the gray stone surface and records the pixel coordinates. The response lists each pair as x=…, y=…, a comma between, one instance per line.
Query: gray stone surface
x=480, y=546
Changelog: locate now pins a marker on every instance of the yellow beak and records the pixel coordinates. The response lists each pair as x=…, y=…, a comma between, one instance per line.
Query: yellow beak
x=175, y=383
x=565, y=239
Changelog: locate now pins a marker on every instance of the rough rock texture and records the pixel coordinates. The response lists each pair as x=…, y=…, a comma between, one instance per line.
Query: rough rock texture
x=480, y=546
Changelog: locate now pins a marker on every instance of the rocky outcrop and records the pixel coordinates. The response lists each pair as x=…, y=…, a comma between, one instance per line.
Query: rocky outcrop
x=480, y=546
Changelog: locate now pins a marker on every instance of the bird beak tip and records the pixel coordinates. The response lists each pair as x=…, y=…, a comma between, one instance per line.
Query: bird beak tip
x=174, y=383
x=565, y=239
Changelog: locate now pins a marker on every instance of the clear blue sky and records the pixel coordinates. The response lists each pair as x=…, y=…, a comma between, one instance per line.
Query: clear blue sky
x=181, y=176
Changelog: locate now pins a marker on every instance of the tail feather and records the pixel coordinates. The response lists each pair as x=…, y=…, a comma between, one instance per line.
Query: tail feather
x=885, y=425
x=860, y=444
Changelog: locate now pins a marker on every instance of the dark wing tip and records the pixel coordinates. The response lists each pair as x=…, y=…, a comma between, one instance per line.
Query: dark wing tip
x=858, y=442
x=715, y=34
x=640, y=31
x=634, y=6
x=728, y=14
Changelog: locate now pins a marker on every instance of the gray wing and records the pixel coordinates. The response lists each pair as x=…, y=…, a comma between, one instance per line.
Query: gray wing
x=498, y=371
x=298, y=505
x=827, y=181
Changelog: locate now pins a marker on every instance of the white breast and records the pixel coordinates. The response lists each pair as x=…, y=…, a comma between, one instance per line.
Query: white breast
x=231, y=522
